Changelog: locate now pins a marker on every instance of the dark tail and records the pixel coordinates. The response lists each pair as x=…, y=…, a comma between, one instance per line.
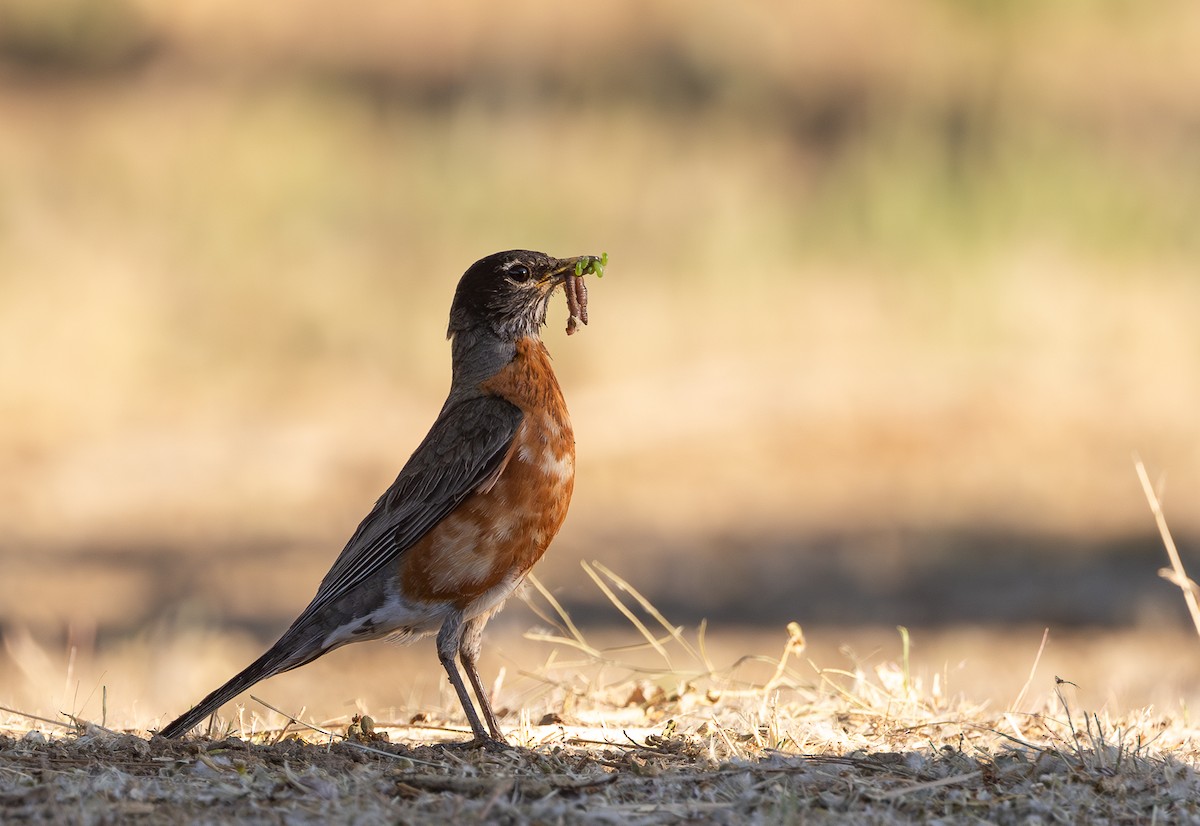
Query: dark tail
x=282, y=656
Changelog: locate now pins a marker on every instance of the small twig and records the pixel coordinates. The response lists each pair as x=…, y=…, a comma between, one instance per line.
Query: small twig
x=1058, y=684
x=929, y=784
x=529, y=786
x=28, y=716
x=1181, y=578
x=585, y=741
x=1020, y=742
x=80, y=723
x=283, y=731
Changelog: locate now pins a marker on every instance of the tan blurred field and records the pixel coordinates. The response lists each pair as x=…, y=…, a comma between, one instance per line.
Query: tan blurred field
x=896, y=291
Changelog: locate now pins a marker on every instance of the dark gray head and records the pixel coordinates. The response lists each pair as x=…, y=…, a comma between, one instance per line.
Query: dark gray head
x=506, y=294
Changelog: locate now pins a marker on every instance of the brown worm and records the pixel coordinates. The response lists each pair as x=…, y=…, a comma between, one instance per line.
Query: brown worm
x=576, y=292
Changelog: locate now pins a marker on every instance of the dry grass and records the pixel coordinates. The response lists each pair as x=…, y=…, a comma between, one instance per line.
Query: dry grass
x=648, y=732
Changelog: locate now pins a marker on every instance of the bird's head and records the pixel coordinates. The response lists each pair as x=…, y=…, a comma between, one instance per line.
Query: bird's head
x=506, y=294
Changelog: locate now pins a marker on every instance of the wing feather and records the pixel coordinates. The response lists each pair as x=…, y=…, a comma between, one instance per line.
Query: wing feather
x=466, y=447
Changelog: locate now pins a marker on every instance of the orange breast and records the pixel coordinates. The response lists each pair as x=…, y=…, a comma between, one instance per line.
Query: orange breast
x=504, y=530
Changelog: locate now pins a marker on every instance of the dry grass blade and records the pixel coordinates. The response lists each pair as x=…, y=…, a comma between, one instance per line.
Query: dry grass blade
x=1016, y=706
x=1010, y=716
x=675, y=631
x=577, y=640
x=556, y=639
x=629, y=615
x=1180, y=575
x=702, y=645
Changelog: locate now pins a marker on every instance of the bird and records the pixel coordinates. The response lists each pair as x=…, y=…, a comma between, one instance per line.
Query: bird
x=472, y=510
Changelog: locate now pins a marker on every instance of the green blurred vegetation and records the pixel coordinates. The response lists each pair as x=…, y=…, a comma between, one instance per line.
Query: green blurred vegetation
x=916, y=133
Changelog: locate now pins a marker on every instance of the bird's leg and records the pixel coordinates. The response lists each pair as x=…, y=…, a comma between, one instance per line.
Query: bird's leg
x=468, y=652
x=447, y=647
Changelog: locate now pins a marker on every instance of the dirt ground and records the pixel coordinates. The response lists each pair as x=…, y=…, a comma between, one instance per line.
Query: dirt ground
x=866, y=744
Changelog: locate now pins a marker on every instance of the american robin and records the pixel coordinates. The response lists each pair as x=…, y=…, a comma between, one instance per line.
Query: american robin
x=474, y=508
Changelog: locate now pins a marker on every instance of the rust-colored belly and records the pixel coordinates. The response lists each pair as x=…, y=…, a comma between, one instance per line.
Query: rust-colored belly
x=500, y=532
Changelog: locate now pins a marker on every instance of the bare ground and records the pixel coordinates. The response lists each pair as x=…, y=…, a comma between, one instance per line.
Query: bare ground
x=616, y=738
x=856, y=752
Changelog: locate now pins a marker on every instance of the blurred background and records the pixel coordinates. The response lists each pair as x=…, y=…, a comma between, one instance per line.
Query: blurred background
x=895, y=292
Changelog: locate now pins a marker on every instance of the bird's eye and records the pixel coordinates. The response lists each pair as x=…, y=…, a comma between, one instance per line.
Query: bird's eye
x=518, y=272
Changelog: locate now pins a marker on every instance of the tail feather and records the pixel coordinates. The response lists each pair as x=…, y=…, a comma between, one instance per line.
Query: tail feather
x=282, y=656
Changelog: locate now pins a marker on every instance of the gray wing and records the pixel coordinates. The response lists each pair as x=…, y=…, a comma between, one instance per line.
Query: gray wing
x=467, y=445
